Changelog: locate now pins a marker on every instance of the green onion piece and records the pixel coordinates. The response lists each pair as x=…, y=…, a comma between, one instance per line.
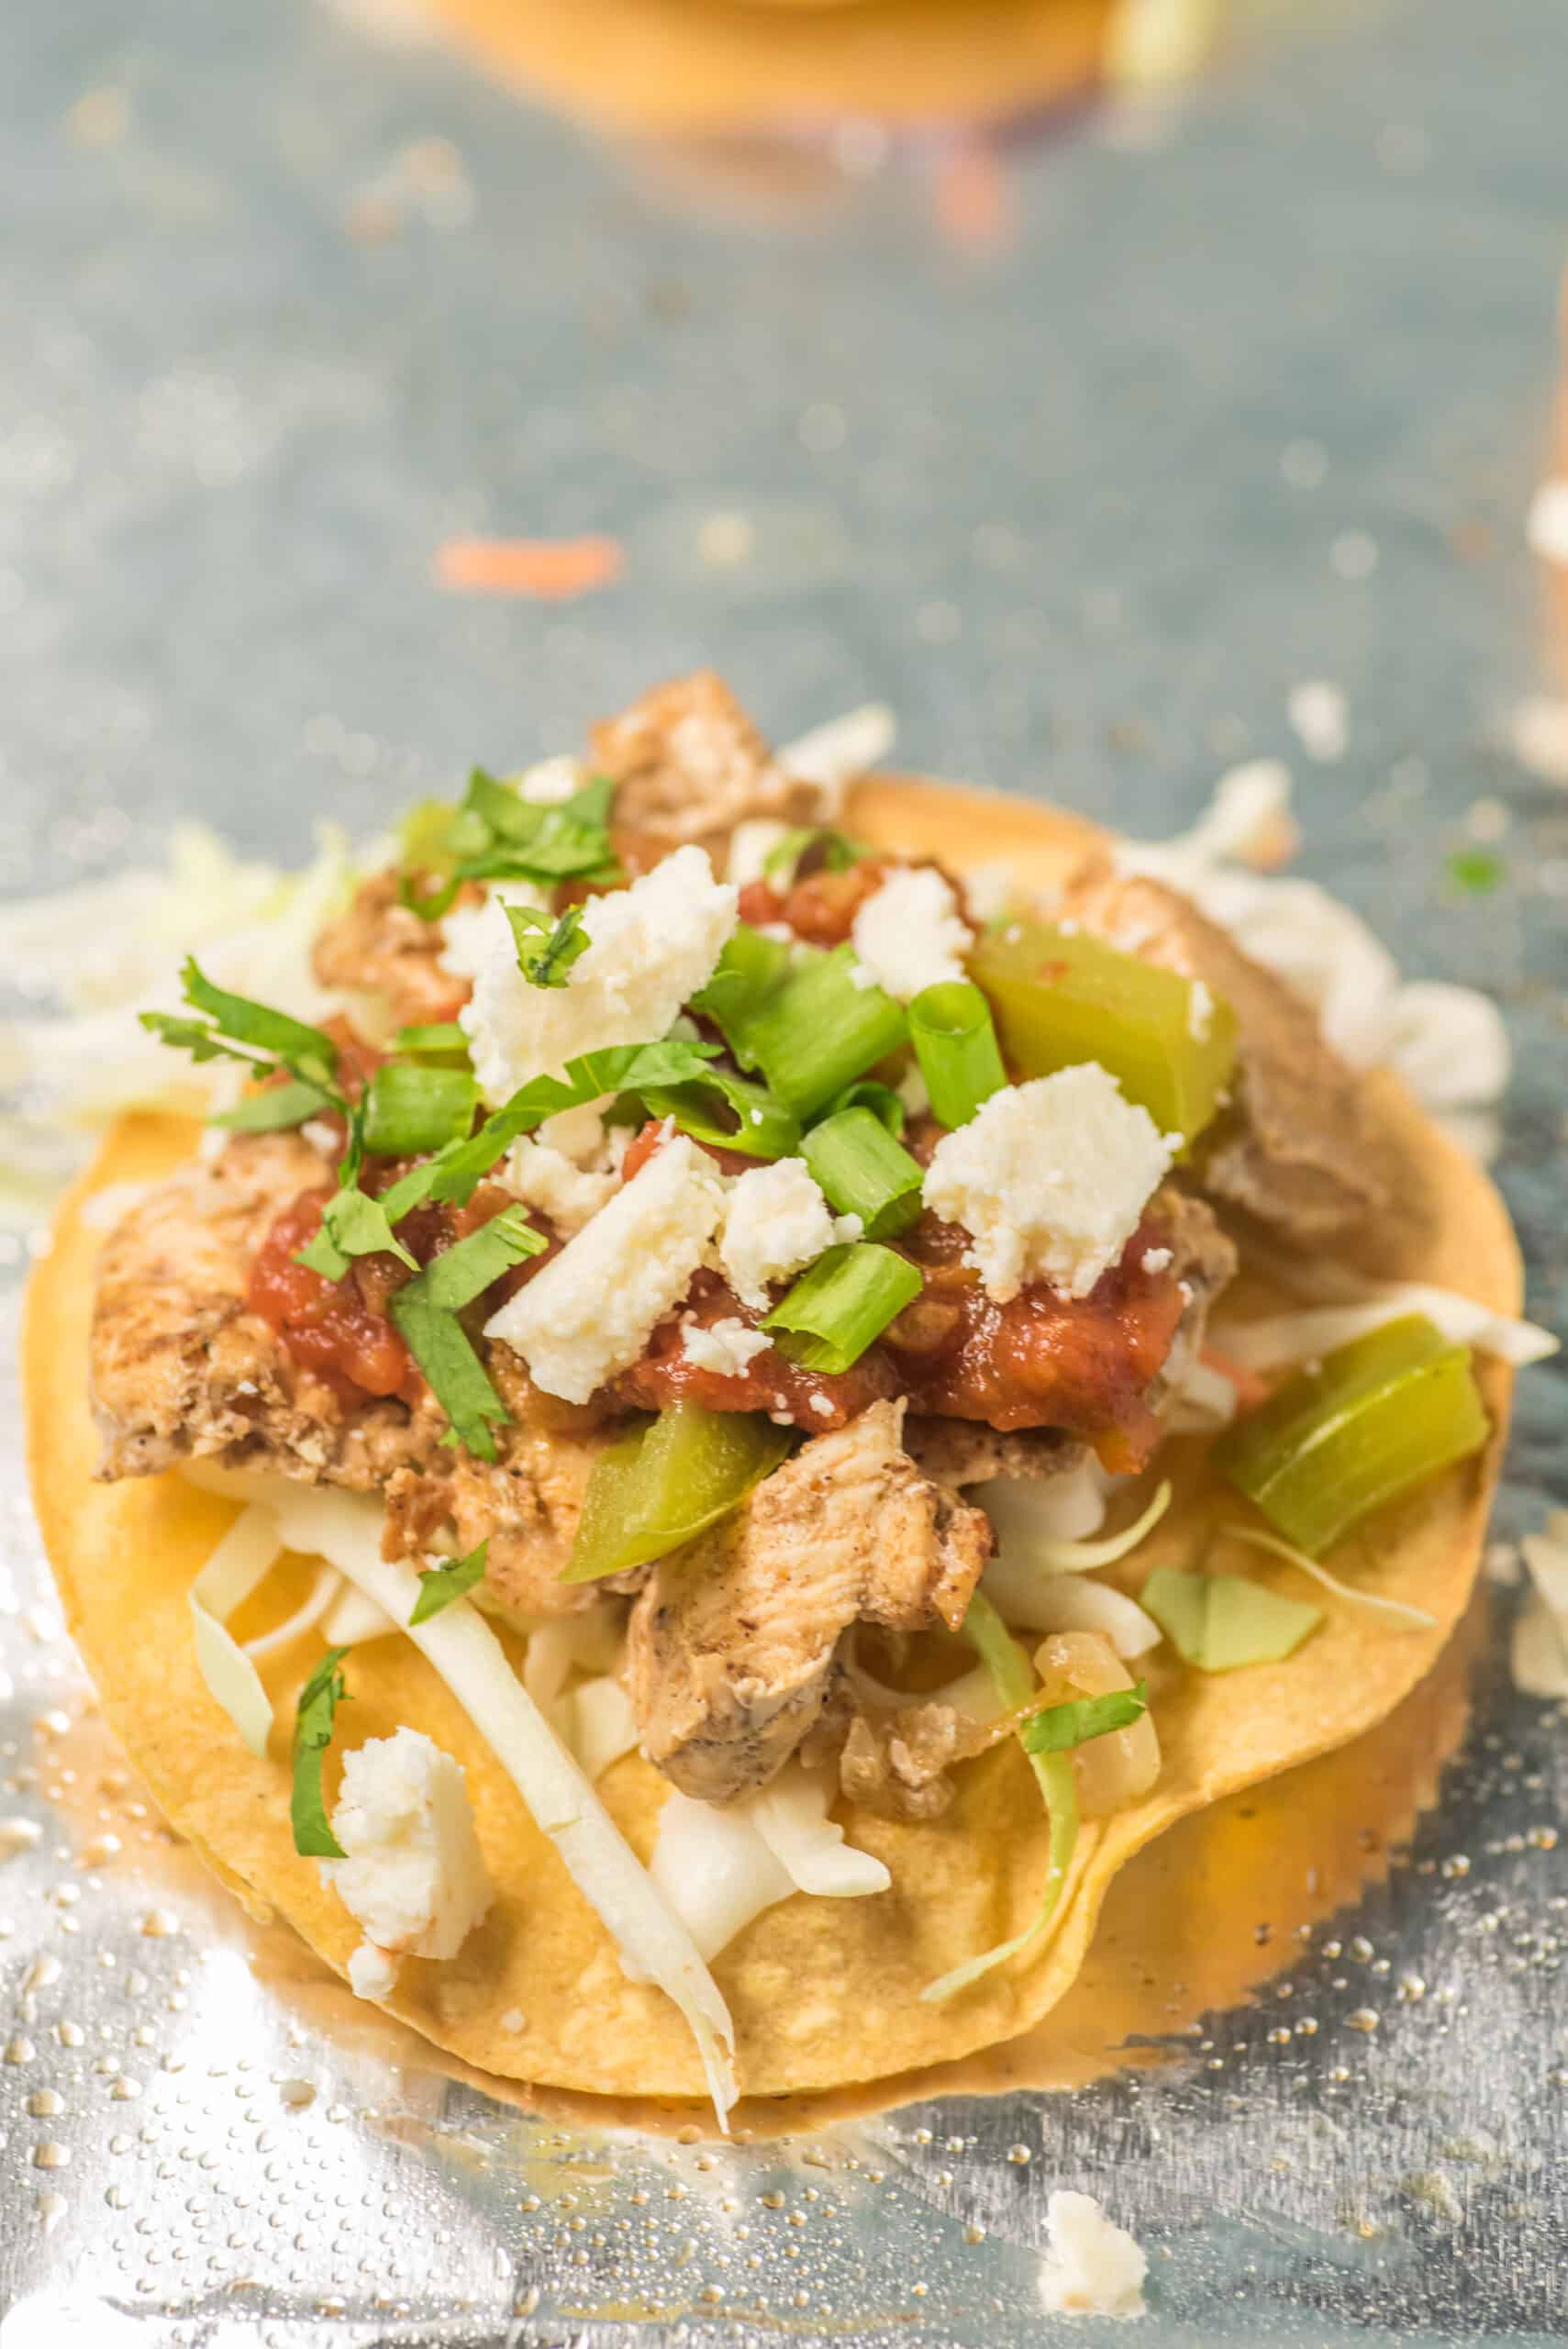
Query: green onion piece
x=815, y=1032
x=1015, y=1682
x=547, y=949
x=845, y=1301
x=746, y=975
x=442, y=1036
x=729, y=1113
x=1221, y=1623
x=274, y=1108
x=955, y=1043
x=651, y=1491
x=885, y=1104
x=454, y=1578
x=1061, y=997
x=1374, y=1418
x=318, y=1702
x=426, y=1309
x=862, y=1171
x=835, y=852
x=410, y=1109
x=1057, y=1729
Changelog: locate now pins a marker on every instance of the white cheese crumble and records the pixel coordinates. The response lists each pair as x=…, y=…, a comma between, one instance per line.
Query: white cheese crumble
x=911, y=1090
x=469, y=930
x=1092, y=2266
x=549, y=781
x=725, y=1347
x=591, y=1311
x=414, y=1878
x=776, y=1220
x=1156, y=1260
x=1048, y=1179
x=1200, y=1011
x=750, y=845
x=910, y=934
x=650, y=947
x=569, y=1169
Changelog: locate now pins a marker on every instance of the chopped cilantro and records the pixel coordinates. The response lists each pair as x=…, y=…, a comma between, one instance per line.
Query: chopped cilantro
x=454, y=1578
x=318, y=1702
x=550, y=964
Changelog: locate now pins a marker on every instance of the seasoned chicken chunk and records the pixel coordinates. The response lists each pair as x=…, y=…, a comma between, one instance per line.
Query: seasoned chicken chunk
x=1297, y=1150
x=379, y=947
x=181, y=1369
x=897, y=1764
x=691, y=765
x=732, y=1645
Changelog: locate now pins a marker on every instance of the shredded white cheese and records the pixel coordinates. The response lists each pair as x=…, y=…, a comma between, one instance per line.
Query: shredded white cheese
x=650, y=947
x=591, y=1311
x=1048, y=1180
x=909, y=934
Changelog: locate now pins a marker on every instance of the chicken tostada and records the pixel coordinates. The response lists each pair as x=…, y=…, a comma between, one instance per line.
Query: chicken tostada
x=751, y=1382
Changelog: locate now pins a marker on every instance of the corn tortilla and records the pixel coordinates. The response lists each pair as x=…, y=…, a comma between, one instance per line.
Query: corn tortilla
x=824, y=1993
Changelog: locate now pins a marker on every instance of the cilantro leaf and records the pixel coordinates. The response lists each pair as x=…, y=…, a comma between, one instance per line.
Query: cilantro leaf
x=1056, y=1729
x=426, y=1309
x=274, y=1109
x=310, y=1053
x=318, y=1702
x=832, y=852
x=410, y=1109
x=547, y=965
x=454, y=1578
x=352, y=1224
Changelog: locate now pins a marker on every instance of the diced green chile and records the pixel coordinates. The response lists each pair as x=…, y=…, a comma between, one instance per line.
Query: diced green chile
x=652, y=1490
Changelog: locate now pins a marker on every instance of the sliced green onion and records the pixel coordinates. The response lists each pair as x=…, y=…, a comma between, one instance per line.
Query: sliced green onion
x=729, y=1113
x=750, y=967
x=1061, y=997
x=454, y=1578
x=652, y=1490
x=883, y=1103
x=439, y=1036
x=1375, y=1419
x=955, y=1043
x=410, y=1109
x=274, y=1108
x=862, y=1171
x=1015, y=1684
x=845, y=1301
x=318, y=1702
x=817, y=1031
x=1058, y=1729
x=1416, y=1617
x=1223, y=1622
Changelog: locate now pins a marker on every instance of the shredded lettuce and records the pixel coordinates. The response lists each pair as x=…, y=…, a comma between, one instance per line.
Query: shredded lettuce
x=1074, y=1603
x=721, y=1867
x=1398, y=1609
x=1282, y=1340
x=239, y=1564
x=1014, y=1576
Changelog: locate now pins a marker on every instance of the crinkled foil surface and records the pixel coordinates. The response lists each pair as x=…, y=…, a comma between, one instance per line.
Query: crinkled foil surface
x=1194, y=403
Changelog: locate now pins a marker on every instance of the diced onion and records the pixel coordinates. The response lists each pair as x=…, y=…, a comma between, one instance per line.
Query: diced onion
x=239, y=1564
x=1283, y=1338
x=1118, y=1768
x=1399, y=1609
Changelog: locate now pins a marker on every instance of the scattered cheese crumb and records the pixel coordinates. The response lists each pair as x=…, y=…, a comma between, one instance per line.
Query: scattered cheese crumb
x=1200, y=1011
x=1092, y=2266
x=650, y=947
x=1156, y=1259
x=822, y=1405
x=909, y=932
x=1048, y=1179
x=725, y=1347
x=549, y=781
x=591, y=1311
x=860, y=977
x=469, y=930
x=989, y=890
x=569, y=1169
x=776, y=1220
x=413, y=1877
x=1546, y=525
x=1320, y=716
x=750, y=845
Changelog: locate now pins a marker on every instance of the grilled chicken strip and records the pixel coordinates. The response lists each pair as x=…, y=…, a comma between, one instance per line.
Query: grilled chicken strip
x=181, y=1370
x=691, y=765
x=380, y=948
x=732, y=1645
x=1297, y=1149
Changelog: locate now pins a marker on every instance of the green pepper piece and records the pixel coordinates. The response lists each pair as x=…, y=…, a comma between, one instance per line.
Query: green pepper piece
x=652, y=1490
x=1374, y=1418
x=1061, y=997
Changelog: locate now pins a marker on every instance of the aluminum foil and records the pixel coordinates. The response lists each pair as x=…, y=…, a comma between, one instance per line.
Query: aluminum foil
x=1231, y=395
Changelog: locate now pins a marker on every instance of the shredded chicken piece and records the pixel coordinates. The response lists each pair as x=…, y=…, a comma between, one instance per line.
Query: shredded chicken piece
x=897, y=1764
x=380, y=948
x=691, y=765
x=1297, y=1149
x=732, y=1645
